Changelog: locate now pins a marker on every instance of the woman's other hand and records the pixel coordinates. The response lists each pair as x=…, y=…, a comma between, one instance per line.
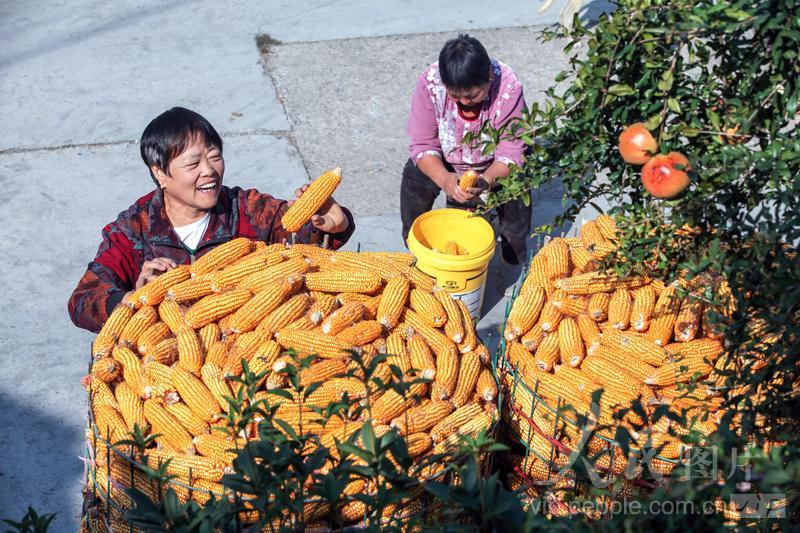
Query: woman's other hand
x=153, y=268
x=330, y=218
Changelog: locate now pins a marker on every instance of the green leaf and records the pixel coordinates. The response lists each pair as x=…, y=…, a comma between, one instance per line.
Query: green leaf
x=619, y=89
x=673, y=105
x=653, y=122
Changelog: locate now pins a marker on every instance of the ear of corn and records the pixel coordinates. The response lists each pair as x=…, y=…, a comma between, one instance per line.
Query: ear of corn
x=446, y=378
x=195, y=394
x=422, y=417
x=230, y=276
x=569, y=304
x=130, y=406
x=557, y=258
x=145, y=317
x=187, y=467
x=664, y=316
x=591, y=234
x=113, y=326
x=684, y=370
x=132, y=370
x=362, y=282
x=687, y=322
x=468, y=180
x=244, y=348
x=257, y=308
x=435, y=338
x=644, y=301
x=172, y=434
x=468, y=371
x=218, y=448
x=453, y=328
x=190, y=351
x=209, y=334
x=547, y=353
x=214, y=380
x=581, y=259
x=323, y=304
x=292, y=269
x=486, y=385
x=106, y=369
x=345, y=316
x=110, y=424
x=311, y=200
x=428, y=308
x=391, y=404
x=619, y=309
x=550, y=317
x=533, y=338
x=361, y=333
x=421, y=357
x=283, y=315
x=154, y=292
x=221, y=256
x=570, y=345
x=524, y=313
x=704, y=348
x=323, y=370
x=191, y=289
x=187, y=418
x=597, y=306
x=470, y=341
x=631, y=343
x=395, y=296
x=213, y=307
x=152, y=336
x=311, y=342
x=398, y=355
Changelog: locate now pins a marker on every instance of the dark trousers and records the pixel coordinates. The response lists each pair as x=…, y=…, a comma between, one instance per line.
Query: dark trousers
x=418, y=192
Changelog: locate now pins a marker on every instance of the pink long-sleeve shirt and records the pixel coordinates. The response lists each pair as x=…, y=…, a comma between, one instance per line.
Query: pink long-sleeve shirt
x=435, y=126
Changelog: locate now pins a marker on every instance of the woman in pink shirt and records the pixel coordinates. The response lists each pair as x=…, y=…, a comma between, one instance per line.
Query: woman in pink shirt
x=456, y=95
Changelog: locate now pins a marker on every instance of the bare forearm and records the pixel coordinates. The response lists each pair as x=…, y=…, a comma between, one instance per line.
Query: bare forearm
x=496, y=170
x=432, y=166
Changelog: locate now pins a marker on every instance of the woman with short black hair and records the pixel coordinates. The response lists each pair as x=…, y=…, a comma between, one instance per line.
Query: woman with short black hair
x=454, y=96
x=188, y=214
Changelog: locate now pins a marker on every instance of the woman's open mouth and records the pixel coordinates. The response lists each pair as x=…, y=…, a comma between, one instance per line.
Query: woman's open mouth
x=208, y=188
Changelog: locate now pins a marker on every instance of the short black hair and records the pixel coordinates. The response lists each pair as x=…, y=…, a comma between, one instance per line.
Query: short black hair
x=169, y=133
x=464, y=63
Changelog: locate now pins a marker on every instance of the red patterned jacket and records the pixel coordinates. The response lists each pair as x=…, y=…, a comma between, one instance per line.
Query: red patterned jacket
x=143, y=232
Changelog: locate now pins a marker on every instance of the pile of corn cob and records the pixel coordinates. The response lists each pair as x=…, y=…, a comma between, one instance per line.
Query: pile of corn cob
x=574, y=330
x=167, y=358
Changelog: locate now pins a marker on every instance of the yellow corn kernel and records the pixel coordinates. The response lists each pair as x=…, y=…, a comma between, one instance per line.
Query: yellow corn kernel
x=569, y=304
x=283, y=315
x=311, y=200
x=112, y=328
x=681, y=371
x=345, y=316
x=191, y=289
x=421, y=357
x=130, y=406
x=395, y=296
x=524, y=313
x=162, y=423
x=222, y=256
x=195, y=394
x=139, y=322
x=619, y=309
x=132, y=370
x=215, y=306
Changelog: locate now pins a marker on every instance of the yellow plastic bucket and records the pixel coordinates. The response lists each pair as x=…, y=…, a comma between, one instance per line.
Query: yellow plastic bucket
x=464, y=276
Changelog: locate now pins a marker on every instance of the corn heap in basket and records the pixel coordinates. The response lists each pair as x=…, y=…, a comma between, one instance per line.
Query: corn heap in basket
x=166, y=360
x=574, y=330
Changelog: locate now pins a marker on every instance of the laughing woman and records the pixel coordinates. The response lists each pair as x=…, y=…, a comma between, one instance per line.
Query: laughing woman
x=189, y=213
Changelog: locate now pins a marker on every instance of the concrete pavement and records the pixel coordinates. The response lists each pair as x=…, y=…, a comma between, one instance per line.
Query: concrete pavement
x=81, y=79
